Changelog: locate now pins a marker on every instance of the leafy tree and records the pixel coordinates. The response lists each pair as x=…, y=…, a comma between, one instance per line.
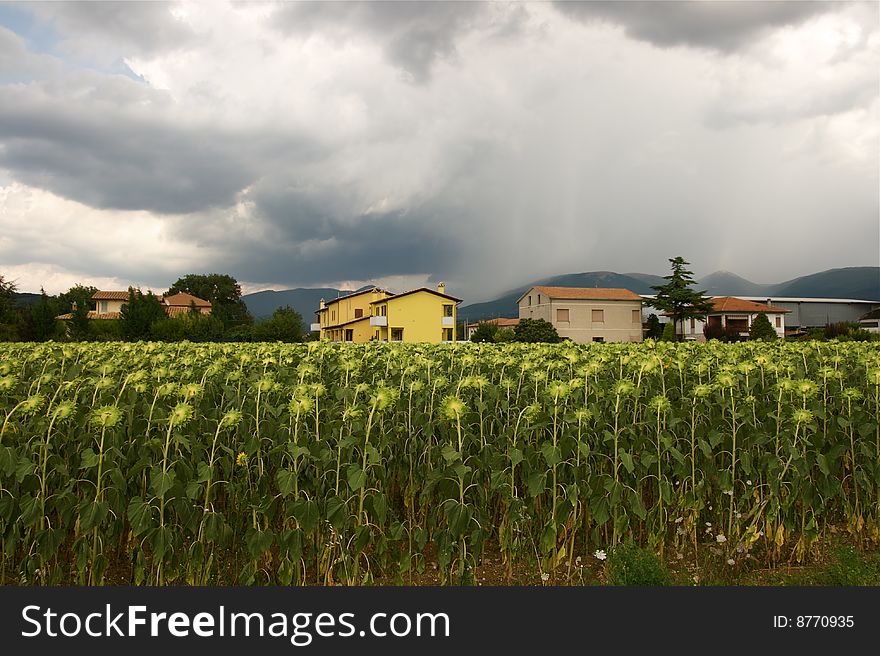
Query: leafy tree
x=43, y=318
x=139, y=314
x=677, y=299
x=223, y=291
x=655, y=328
x=504, y=335
x=762, y=329
x=285, y=325
x=535, y=330
x=485, y=332
x=78, y=301
x=668, y=334
x=7, y=301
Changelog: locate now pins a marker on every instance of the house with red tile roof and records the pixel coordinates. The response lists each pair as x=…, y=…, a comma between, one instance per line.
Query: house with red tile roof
x=108, y=305
x=500, y=322
x=730, y=313
x=586, y=314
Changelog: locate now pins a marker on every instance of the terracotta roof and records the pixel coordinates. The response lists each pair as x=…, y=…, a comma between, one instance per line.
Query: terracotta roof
x=501, y=322
x=110, y=296
x=363, y=291
x=414, y=291
x=177, y=310
x=734, y=304
x=92, y=315
x=586, y=293
x=184, y=299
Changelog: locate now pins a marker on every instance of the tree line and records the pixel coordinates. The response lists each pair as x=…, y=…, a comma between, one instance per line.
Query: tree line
x=143, y=316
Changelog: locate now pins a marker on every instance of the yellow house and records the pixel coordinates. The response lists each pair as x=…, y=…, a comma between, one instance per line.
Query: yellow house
x=347, y=318
x=419, y=315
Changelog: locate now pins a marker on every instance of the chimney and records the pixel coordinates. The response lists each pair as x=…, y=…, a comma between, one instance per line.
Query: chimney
x=441, y=287
x=323, y=304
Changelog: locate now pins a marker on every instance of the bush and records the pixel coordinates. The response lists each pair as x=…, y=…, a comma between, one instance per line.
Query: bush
x=104, y=330
x=668, y=334
x=762, y=329
x=192, y=327
x=505, y=335
x=532, y=331
x=485, y=332
x=285, y=325
x=629, y=564
x=655, y=328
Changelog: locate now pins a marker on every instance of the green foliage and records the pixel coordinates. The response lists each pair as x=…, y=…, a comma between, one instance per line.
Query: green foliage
x=285, y=325
x=193, y=327
x=630, y=564
x=762, y=329
x=223, y=291
x=104, y=330
x=7, y=301
x=668, y=333
x=139, y=314
x=78, y=301
x=504, y=335
x=485, y=332
x=676, y=298
x=655, y=328
x=532, y=331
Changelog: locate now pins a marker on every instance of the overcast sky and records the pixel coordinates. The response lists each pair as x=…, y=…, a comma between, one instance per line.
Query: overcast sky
x=334, y=144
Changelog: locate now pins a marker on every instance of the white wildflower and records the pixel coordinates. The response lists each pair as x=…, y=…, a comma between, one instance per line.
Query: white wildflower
x=600, y=554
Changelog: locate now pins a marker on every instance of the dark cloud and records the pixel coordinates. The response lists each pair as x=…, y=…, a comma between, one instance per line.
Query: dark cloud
x=413, y=35
x=117, y=144
x=720, y=25
x=301, y=242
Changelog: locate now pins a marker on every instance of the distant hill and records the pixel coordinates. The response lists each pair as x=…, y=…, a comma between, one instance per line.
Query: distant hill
x=725, y=283
x=26, y=298
x=305, y=301
x=851, y=282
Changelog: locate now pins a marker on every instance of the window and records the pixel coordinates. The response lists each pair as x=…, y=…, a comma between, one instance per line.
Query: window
x=103, y=307
x=598, y=339
x=333, y=315
x=530, y=299
x=637, y=316
x=539, y=299
x=778, y=321
x=383, y=311
x=598, y=316
x=447, y=310
x=447, y=334
x=562, y=314
x=349, y=335
x=397, y=334
x=358, y=313
x=693, y=325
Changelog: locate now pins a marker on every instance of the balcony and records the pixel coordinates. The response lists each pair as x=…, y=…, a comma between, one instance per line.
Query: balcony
x=448, y=322
x=378, y=321
x=315, y=327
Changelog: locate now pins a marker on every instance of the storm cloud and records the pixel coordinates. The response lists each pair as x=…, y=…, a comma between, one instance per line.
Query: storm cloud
x=484, y=144
x=724, y=25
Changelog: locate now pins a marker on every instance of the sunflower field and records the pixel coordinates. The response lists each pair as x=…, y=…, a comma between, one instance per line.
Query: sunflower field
x=319, y=463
